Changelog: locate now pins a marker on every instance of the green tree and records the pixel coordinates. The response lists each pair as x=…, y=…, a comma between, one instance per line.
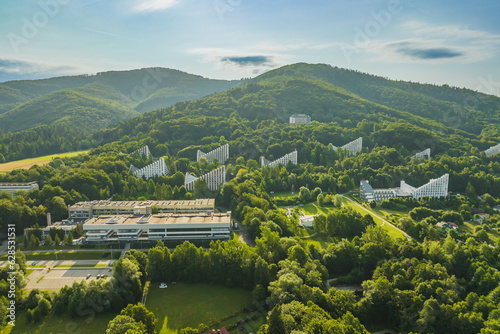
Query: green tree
x=123, y=324
x=141, y=314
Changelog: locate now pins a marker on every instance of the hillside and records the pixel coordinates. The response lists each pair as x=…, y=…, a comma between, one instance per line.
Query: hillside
x=345, y=99
x=454, y=107
x=104, y=98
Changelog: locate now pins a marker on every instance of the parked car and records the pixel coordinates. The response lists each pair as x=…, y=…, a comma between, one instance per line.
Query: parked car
x=163, y=285
x=88, y=276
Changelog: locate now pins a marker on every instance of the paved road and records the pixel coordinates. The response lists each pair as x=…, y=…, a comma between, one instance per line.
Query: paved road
x=382, y=219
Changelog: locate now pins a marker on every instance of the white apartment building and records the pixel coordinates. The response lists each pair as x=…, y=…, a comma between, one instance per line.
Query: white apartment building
x=492, y=150
x=425, y=154
x=435, y=188
x=157, y=168
x=292, y=156
x=214, y=179
x=220, y=153
x=143, y=152
x=299, y=119
x=354, y=147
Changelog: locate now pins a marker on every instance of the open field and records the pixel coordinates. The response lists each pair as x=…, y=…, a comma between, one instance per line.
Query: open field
x=185, y=305
x=27, y=163
x=54, y=324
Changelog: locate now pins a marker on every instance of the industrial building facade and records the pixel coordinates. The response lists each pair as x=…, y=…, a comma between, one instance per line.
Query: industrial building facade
x=425, y=154
x=435, y=188
x=13, y=187
x=164, y=226
x=220, y=153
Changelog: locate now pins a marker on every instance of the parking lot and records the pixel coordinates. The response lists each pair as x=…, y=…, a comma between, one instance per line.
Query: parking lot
x=58, y=277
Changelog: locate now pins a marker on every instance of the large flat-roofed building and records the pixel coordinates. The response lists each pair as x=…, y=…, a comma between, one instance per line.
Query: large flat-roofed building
x=299, y=119
x=13, y=187
x=434, y=188
x=92, y=208
x=166, y=226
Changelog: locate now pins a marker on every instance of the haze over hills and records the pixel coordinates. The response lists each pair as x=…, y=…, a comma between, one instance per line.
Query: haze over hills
x=92, y=102
x=328, y=94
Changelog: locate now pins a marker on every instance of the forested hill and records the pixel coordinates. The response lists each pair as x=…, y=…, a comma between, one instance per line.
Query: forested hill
x=91, y=101
x=459, y=108
x=340, y=98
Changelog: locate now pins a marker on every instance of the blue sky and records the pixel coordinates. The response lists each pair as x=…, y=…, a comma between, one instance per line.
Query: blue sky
x=443, y=42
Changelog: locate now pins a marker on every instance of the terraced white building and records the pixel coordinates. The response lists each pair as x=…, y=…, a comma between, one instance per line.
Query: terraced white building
x=143, y=152
x=435, y=188
x=292, y=156
x=425, y=154
x=492, y=150
x=354, y=147
x=214, y=179
x=220, y=153
x=157, y=168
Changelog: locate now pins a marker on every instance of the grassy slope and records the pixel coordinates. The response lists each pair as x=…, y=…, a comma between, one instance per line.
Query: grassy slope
x=27, y=163
x=183, y=305
x=393, y=233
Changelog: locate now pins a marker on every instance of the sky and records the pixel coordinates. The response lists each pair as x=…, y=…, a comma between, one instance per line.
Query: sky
x=439, y=41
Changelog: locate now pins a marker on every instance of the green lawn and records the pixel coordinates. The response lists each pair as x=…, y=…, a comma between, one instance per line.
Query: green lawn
x=71, y=255
x=186, y=305
x=27, y=163
x=53, y=324
x=314, y=209
x=314, y=238
x=284, y=194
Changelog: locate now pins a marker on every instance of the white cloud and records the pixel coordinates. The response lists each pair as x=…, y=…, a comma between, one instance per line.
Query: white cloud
x=153, y=5
x=434, y=45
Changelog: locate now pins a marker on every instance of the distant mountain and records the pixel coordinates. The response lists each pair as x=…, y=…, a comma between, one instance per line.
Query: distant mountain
x=454, y=107
x=391, y=113
x=92, y=102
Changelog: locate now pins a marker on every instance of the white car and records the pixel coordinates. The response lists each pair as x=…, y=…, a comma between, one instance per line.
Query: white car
x=163, y=285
